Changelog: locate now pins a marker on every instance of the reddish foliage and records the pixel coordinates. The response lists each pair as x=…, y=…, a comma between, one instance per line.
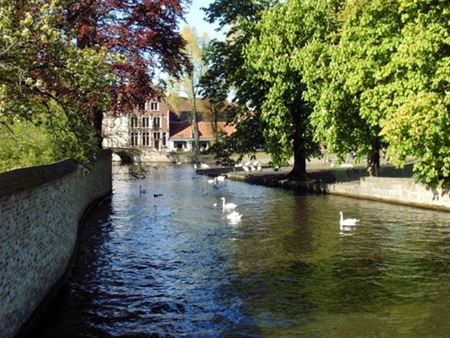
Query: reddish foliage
x=144, y=32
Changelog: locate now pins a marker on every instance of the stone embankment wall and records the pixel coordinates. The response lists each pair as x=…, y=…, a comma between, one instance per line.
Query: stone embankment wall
x=397, y=190
x=151, y=156
x=40, y=212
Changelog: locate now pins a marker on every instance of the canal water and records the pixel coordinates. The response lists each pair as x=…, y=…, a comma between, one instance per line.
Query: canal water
x=159, y=260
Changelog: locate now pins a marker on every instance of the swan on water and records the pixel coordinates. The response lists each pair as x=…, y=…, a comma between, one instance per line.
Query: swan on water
x=220, y=178
x=234, y=216
x=227, y=206
x=204, y=166
x=347, y=221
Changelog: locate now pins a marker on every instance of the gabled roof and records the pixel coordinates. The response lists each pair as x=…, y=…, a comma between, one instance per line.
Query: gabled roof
x=184, y=131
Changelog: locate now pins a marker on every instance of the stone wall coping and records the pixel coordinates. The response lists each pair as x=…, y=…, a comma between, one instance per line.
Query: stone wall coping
x=26, y=178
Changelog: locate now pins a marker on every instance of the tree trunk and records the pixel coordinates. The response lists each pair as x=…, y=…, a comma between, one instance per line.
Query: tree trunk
x=87, y=40
x=195, y=134
x=373, y=158
x=214, y=121
x=298, y=172
x=97, y=123
x=195, y=131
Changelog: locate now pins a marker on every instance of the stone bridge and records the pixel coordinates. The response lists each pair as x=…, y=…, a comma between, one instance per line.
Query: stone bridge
x=128, y=155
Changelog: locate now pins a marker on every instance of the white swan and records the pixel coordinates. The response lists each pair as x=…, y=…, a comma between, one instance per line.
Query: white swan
x=204, y=166
x=227, y=206
x=234, y=216
x=220, y=178
x=347, y=221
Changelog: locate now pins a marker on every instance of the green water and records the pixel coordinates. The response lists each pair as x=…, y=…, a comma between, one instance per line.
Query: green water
x=174, y=266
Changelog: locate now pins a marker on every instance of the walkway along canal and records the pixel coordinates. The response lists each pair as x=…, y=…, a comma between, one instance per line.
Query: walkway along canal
x=172, y=265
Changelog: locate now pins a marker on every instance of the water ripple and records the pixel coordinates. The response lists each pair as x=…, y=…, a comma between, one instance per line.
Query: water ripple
x=173, y=266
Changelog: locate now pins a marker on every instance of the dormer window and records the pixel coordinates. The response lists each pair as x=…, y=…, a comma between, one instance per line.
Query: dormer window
x=154, y=106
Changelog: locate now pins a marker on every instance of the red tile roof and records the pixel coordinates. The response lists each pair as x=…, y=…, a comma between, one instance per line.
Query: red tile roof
x=183, y=130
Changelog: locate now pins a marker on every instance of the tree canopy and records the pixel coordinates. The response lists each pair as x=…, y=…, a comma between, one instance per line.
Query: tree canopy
x=46, y=79
x=283, y=32
x=354, y=76
x=63, y=63
x=226, y=73
x=382, y=82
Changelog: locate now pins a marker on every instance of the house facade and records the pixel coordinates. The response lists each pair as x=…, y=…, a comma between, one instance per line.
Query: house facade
x=146, y=127
x=156, y=127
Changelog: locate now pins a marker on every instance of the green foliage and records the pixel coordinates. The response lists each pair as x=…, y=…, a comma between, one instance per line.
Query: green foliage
x=24, y=144
x=384, y=76
x=28, y=143
x=46, y=79
x=283, y=32
x=338, y=68
x=414, y=96
x=226, y=74
x=352, y=75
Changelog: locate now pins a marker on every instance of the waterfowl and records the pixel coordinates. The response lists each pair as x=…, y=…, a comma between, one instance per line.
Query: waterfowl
x=347, y=221
x=220, y=178
x=234, y=216
x=227, y=206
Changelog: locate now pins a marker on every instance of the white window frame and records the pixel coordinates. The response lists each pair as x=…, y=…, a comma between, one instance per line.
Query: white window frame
x=154, y=106
x=134, y=122
x=145, y=122
x=134, y=139
x=157, y=125
x=146, y=139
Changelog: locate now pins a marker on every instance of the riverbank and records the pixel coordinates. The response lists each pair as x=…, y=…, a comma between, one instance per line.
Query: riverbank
x=392, y=186
x=41, y=209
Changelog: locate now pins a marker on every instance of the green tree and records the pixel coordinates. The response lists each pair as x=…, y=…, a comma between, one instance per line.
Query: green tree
x=413, y=93
x=283, y=32
x=226, y=74
x=189, y=84
x=338, y=70
x=46, y=79
x=383, y=81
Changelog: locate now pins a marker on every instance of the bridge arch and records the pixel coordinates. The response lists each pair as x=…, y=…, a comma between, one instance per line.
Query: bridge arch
x=127, y=155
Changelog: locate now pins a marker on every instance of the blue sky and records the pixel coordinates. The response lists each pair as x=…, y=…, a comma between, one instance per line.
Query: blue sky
x=195, y=18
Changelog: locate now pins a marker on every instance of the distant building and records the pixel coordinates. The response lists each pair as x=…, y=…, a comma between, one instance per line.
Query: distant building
x=155, y=126
x=182, y=135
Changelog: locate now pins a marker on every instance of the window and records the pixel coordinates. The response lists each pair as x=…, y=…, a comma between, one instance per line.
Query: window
x=164, y=139
x=145, y=139
x=134, y=139
x=156, y=140
x=142, y=106
x=145, y=122
x=156, y=122
x=154, y=106
x=134, y=122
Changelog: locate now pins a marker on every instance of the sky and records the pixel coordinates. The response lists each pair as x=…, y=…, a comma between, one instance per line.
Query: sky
x=195, y=18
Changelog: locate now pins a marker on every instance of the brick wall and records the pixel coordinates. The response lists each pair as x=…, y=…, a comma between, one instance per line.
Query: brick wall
x=40, y=210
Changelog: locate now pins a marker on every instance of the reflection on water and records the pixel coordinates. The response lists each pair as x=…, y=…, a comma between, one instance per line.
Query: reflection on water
x=172, y=265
